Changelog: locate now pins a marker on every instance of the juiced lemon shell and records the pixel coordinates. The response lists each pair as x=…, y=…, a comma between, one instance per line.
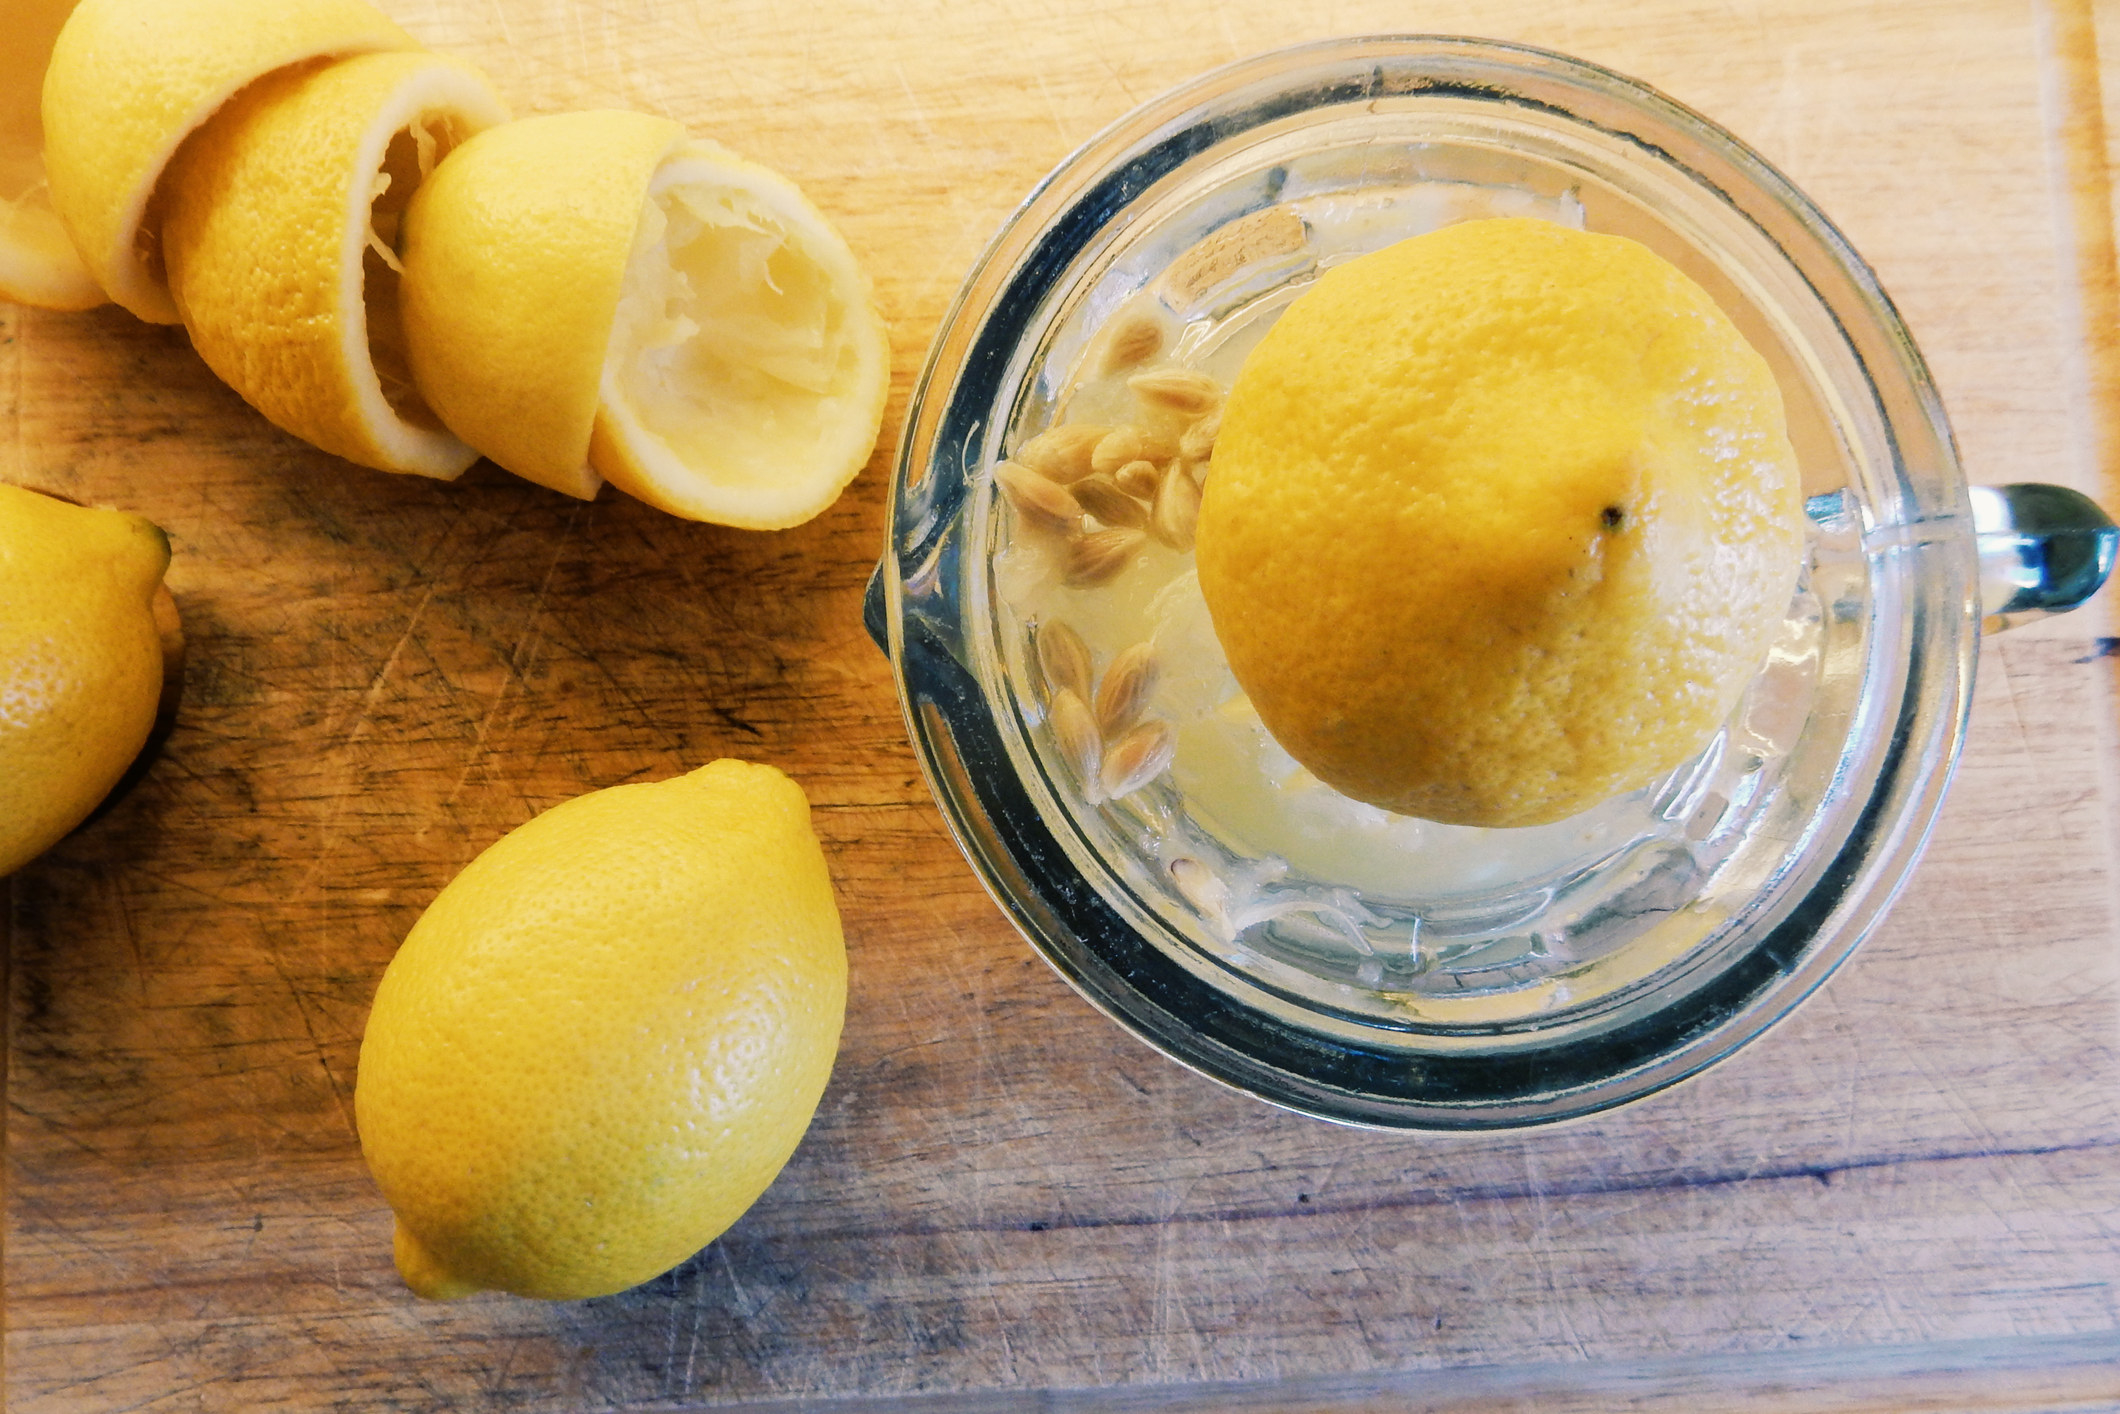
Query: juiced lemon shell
x=285, y=285
x=1501, y=521
x=515, y=254
x=130, y=79
x=593, y=295
x=747, y=373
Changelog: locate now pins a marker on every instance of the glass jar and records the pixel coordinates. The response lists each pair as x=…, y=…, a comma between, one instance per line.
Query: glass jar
x=1389, y=972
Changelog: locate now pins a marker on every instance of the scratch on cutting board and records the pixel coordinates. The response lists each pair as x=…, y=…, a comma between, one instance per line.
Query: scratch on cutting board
x=1126, y=90
x=2020, y=737
x=1946, y=1083
x=499, y=12
x=918, y=115
x=339, y=800
x=1052, y=109
x=1541, y=1251
x=382, y=675
x=533, y=621
x=316, y=1042
x=132, y=942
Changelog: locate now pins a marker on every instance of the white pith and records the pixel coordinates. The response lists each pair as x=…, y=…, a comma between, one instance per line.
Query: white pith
x=431, y=98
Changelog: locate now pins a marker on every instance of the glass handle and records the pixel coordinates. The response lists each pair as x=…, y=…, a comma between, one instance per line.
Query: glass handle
x=875, y=609
x=2043, y=550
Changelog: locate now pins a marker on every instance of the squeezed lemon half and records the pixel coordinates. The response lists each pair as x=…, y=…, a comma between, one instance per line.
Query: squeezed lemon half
x=595, y=295
x=275, y=247
x=1502, y=521
x=129, y=80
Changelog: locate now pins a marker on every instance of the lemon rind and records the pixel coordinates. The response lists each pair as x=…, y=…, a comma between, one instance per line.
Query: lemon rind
x=106, y=223
x=446, y=87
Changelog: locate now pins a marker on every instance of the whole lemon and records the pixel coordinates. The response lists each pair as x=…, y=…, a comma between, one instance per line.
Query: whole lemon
x=605, y=1037
x=1502, y=520
x=80, y=661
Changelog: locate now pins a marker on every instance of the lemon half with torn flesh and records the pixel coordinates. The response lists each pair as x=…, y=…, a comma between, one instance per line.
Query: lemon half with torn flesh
x=281, y=217
x=595, y=295
x=129, y=81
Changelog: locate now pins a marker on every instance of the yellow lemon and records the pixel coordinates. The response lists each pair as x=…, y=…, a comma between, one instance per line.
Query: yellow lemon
x=38, y=262
x=80, y=661
x=279, y=237
x=1501, y=522
x=594, y=295
x=130, y=79
x=604, y=1038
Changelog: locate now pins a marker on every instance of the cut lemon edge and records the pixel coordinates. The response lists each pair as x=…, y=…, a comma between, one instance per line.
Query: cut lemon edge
x=746, y=373
x=38, y=263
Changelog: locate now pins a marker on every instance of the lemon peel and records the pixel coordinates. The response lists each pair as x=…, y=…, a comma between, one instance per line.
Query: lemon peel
x=1502, y=521
x=515, y=255
x=278, y=236
x=595, y=295
x=603, y=1040
x=80, y=661
x=129, y=80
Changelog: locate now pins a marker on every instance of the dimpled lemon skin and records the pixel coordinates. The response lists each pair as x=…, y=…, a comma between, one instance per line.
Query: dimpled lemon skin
x=80, y=661
x=605, y=1037
x=1502, y=519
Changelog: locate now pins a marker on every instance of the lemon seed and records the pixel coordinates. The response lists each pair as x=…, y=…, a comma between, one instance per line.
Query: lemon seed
x=1125, y=691
x=1063, y=452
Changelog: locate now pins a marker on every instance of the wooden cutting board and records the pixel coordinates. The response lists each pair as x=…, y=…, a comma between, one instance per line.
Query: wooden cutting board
x=1908, y=1192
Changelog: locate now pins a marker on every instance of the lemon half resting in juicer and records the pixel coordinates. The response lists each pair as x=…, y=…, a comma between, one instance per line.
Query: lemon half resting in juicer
x=1502, y=521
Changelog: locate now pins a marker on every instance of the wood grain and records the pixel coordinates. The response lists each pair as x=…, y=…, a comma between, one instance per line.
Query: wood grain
x=1905, y=1188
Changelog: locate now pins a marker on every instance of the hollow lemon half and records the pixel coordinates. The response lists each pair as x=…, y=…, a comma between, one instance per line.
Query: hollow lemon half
x=129, y=80
x=595, y=295
x=279, y=241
